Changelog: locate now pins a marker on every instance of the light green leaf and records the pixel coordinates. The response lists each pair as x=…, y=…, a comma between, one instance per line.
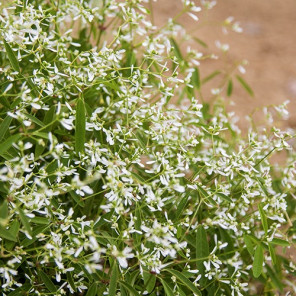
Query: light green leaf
x=3, y=210
x=210, y=77
x=280, y=242
x=80, y=123
x=263, y=218
x=272, y=254
x=184, y=280
x=202, y=250
x=258, y=261
x=195, y=79
x=245, y=85
x=249, y=244
x=5, y=126
x=176, y=49
x=11, y=56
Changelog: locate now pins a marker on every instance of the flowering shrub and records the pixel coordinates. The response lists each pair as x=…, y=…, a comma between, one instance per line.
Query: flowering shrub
x=107, y=187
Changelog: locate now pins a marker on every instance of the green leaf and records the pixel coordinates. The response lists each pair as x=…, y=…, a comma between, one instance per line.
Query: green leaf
x=92, y=291
x=176, y=49
x=11, y=56
x=25, y=221
x=47, y=281
x=229, y=87
x=129, y=288
x=280, y=242
x=113, y=279
x=202, y=250
x=3, y=210
x=35, y=120
x=149, y=281
x=80, y=126
x=4, y=233
x=258, y=261
x=272, y=254
x=5, y=126
x=224, y=196
x=274, y=279
x=202, y=43
x=8, y=143
x=211, y=76
x=263, y=218
x=195, y=78
x=184, y=280
x=245, y=85
x=40, y=220
x=249, y=244
x=167, y=288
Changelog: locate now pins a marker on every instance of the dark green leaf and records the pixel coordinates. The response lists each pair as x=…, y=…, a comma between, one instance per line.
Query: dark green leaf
x=258, y=261
x=92, y=291
x=11, y=56
x=176, y=49
x=47, y=281
x=5, y=126
x=4, y=233
x=3, y=210
x=184, y=280
x=25, y=221
x=167, y=288
x=195, y=79
x=8, y=143
x=129, y=288
x=80, y=126
x=245, y=85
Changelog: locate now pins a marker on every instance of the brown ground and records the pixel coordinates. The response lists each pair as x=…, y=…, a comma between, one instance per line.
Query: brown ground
x=268, y=43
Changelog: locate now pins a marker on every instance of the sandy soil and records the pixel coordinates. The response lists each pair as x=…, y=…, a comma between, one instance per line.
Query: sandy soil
x=268, y=43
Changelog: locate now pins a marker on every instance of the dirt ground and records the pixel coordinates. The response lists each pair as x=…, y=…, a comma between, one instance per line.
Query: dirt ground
x=268, y=42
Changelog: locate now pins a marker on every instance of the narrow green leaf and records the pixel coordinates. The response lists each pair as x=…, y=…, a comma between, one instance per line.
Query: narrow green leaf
x=224, y=196
x=195, y=79
x=8, y=143
x=34, y=119
x=280, y=242
x=92, y=291
x=5, y=126
x=274, y=278
x=71, y=281
x=202, y=43
x=80, y=126
x=113, y=279
x=184, y=280
x=229, y=87
x=11, y=56
x=176, y=49
x=202, y=246
x=210, y=77
x=47, y=282
x=249, y=244
x=258, y=261
x=263, y=218
x=272, y=254
x=25, y=221
x=167, y=288
x=129, y=288
x=202, y=250
x=245, y=85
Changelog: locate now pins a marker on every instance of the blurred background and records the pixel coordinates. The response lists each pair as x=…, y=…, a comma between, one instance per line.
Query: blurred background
x=268, y=43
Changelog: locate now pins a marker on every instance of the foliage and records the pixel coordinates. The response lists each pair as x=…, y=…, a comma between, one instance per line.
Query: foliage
x=115, y=179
